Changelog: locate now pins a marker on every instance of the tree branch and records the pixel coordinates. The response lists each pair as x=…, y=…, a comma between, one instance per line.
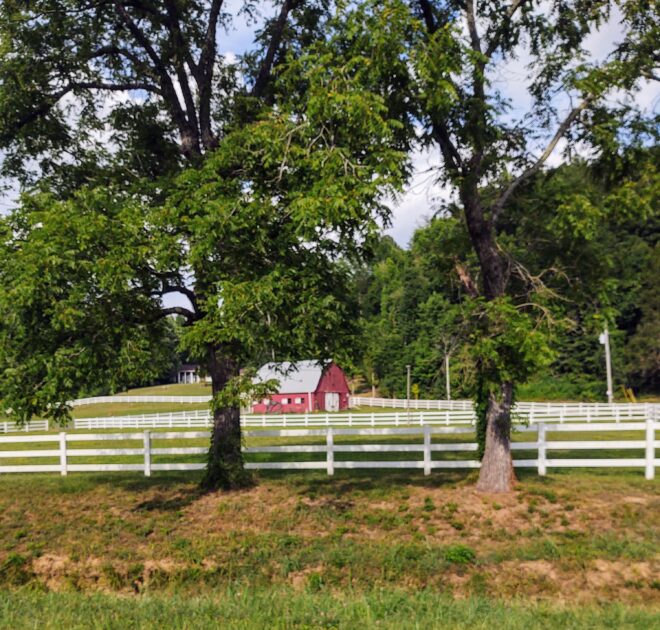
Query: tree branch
x=263, y=77
x=177, y=310
x=182, y=53
x=204, y=76
x=189, y=293
x=427, y=14
x=498, y=206
x=189, y=134
x=105, y=51
x=504, y=24
x=450, y=153
x=115, y=87
x=472, y=26
x=42, y=109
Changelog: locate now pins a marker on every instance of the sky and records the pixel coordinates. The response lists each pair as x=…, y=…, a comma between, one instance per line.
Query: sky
x=422, y=195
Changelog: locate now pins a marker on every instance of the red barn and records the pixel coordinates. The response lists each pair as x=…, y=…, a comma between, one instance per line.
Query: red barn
x=304, y=386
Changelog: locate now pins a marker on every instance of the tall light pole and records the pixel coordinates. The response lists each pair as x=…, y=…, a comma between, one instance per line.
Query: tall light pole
x=447, y=382
x=408, y=387
x=604, y=339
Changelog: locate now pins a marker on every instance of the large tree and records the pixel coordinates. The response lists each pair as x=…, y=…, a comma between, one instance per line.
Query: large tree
x=250, y=222
x=443, y=73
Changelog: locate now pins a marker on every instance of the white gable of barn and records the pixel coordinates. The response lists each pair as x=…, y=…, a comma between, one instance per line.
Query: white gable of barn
x=294, y=378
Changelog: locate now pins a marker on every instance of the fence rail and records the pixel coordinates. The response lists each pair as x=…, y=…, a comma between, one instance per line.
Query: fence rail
x=552, y=410
x=96, y=400
x=33, y=425
x=201, y=418
x=399, y=403
x=68, y=448
x=175, y=419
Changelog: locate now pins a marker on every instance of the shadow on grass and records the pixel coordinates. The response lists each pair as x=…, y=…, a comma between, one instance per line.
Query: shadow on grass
x=366, y=481
x=188, y=482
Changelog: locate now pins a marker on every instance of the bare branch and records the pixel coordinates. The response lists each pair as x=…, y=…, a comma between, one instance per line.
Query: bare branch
x=497, y=207
x=465, y=278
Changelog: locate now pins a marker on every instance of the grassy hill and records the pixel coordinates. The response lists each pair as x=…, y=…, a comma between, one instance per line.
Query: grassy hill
x=577, y=549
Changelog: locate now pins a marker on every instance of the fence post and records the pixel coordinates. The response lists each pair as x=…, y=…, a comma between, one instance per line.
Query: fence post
x=63, y=467
x=330, y=454
x=427, y=449
x=650, y=443
x=542, y=449
x=147, y=453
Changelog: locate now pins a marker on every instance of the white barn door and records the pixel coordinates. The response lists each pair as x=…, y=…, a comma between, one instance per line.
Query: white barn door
x=331, y=401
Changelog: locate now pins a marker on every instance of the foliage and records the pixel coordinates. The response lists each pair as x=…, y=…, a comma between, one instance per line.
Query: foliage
x=256, y=237
x=602, y=272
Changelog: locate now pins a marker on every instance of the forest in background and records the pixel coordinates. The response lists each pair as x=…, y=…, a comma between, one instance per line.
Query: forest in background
x=576, y=231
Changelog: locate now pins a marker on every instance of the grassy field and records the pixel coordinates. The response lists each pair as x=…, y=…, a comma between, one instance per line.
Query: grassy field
x=173, y=389
x=575, y=549
x=286, y=608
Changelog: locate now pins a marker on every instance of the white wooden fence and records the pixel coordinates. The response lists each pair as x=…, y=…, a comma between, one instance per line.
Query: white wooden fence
x=546, y=410
x=97, y=400
x=33, y=425
x=422, y=451
x=175, y=419
x=201, y=418
x=399, y=403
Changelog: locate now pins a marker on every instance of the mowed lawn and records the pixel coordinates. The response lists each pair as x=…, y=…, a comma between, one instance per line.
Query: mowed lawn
x=576, y=549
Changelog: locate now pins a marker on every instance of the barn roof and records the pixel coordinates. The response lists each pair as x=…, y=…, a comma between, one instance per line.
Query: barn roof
x=295, y=378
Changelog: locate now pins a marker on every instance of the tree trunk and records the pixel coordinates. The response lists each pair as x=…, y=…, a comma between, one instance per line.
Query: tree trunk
x=496, y=473
x=225, y=468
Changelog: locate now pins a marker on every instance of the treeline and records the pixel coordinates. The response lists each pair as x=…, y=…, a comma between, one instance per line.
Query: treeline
x=585, y=236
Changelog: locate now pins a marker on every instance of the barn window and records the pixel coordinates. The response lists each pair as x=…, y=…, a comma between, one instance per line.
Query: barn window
x=300, y=401
x=285, y=401
x=265, y=401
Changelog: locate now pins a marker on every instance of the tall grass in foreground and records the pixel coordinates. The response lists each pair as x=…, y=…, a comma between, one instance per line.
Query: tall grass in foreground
x=289, y=609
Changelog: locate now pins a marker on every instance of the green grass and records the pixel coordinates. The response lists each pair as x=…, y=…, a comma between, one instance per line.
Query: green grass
x=285, y=608
x=574, y=536
x=172, y=389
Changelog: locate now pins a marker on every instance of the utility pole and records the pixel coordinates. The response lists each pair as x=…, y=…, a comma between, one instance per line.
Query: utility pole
x=447, y=383
x=408, y=388
x=604, y=339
